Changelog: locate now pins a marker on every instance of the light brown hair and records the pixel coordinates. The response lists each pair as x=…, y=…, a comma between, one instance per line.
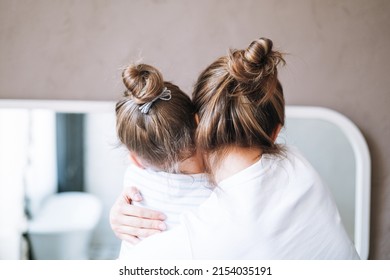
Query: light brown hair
x=164, y=135
x=240, y=100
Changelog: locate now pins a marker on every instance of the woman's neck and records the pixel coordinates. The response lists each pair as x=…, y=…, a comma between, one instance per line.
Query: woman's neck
x=234, y=160
x=192, y=165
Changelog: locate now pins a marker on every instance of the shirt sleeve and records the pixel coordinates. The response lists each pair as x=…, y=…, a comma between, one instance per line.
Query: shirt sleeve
x=170, y=245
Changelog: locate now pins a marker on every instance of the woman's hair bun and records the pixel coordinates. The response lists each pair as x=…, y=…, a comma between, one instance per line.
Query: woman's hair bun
x=258, y=61
x=143, y=82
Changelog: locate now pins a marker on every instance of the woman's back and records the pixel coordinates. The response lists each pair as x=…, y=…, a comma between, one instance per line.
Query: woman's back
x=277, y=208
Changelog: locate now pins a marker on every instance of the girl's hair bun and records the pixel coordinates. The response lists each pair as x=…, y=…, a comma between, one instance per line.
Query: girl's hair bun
x=258, y=61
x=143, y=82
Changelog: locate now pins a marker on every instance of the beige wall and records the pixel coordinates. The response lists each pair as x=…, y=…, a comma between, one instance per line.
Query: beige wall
x=338, y=57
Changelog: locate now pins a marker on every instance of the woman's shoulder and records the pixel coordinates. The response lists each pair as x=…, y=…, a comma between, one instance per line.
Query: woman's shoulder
x=291, y=155
x=295, y=165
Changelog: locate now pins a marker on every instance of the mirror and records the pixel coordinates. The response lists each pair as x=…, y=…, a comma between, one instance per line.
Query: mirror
x=31, y=133
x=336, y=148
x=57, y=146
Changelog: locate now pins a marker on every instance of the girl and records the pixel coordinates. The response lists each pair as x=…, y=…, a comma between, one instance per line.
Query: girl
x=156, y=123
x=269, y=202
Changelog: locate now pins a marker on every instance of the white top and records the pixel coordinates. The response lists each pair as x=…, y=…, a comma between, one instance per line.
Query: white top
x=171, y=194
x=278, y=208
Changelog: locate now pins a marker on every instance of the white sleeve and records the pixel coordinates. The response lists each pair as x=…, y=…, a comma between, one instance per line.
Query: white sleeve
x=170, y=245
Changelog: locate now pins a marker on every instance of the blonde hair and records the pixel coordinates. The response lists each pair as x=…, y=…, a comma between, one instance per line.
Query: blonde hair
x=240, y=100
x=164, y=134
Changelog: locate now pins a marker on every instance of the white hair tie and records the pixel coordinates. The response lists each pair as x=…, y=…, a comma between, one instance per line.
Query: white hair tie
x=165, y=95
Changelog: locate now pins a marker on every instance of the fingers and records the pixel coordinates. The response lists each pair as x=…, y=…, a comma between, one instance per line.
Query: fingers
x=129, y=238
x=140, y=212
x=130, y=222
x=135, y=232
x=130, y=194
x=140, y=223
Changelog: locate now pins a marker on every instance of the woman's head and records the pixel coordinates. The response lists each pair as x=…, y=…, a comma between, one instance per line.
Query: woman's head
x=155, y=119
x=240, y=100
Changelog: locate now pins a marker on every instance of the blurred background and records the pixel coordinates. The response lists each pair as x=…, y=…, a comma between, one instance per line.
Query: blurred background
x=337, y=57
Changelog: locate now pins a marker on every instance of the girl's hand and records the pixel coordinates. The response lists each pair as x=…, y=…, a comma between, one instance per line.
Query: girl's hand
x=129, y=222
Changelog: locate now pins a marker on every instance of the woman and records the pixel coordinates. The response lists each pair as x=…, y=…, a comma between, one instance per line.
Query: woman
x=268, y=203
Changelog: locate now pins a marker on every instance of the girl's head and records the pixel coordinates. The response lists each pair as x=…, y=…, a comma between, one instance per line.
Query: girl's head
x=240, y=100
x=155, y=119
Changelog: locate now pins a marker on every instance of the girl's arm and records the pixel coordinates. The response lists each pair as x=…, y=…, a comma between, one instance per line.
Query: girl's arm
x=130, y=222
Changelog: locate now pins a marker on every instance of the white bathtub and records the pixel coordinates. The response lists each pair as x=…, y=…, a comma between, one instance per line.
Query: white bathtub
x=63, y=227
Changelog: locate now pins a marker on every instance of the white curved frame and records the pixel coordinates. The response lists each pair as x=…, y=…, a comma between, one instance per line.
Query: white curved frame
x=363, y=167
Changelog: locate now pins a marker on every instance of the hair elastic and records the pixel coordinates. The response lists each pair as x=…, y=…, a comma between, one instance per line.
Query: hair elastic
x=165, y=95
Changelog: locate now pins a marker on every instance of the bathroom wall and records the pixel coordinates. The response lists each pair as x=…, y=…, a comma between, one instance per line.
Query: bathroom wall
x=27, y=172
x=337, y=57
x=13, y=148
